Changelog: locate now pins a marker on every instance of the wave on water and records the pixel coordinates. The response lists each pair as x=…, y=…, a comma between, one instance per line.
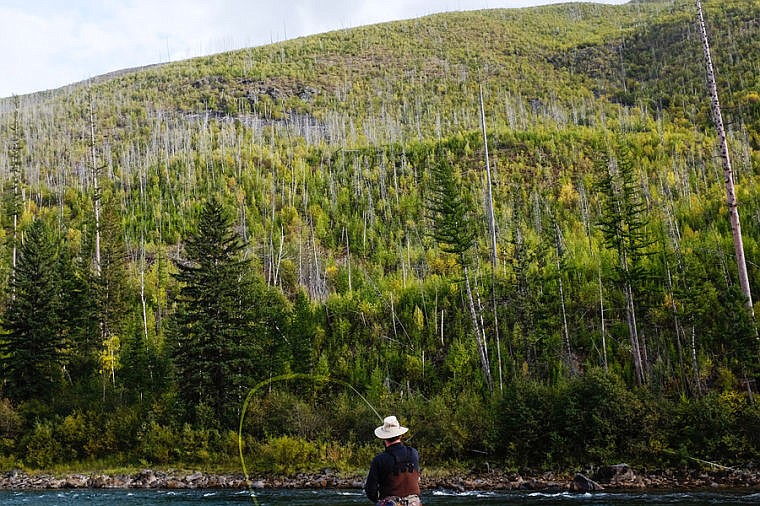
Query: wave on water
x=569, y=495
x=613, y=498
x=438, y=497
x=471, y=493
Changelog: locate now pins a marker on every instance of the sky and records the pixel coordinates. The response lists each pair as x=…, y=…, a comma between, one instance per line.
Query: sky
x=47, y=44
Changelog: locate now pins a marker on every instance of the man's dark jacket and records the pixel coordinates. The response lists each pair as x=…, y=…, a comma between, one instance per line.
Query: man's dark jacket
x=394, y=473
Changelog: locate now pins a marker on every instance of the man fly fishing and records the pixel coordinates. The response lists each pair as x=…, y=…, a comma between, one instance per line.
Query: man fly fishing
x=394, y=475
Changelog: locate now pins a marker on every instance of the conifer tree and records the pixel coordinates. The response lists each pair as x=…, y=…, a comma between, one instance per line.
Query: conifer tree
x=78, y=324
x=212, y=351
x=32, y=354
x=452, y=228
x=110, y=289
x=624, y=225
x=522, y=303
x=302, y=328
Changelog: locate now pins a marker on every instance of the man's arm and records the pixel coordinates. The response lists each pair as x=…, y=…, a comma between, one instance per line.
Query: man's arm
x=371, y=485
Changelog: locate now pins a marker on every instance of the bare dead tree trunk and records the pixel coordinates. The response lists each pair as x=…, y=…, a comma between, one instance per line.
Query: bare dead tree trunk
x=16, y=164
x=105, y=334
x=492, y=230
x=676, y=325
x=695, y=360
x=348, y=258
x=601, y=313
x=143, y=302
x=727, y=170
x=630, y=313
x=443, y=314
x=566, y=330
x=479, y=336
x=587, y=226
x=276, y=279
x=95, y=183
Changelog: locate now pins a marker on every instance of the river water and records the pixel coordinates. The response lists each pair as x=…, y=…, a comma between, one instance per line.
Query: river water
x=353, y=497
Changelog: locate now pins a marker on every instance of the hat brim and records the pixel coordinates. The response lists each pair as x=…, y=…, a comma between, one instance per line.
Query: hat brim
x=395, y=432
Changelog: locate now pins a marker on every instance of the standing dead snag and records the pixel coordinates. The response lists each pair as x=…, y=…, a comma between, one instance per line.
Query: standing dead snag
x=733, y=206
x=96, y=187
x=492, y=230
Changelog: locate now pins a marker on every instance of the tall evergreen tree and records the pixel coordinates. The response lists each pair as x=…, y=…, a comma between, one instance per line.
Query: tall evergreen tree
x=79, y=328
x=301, y=329
x=624, y=225
x=32, y=354
x=110, y=290
x=213, y=353
x=450, y=211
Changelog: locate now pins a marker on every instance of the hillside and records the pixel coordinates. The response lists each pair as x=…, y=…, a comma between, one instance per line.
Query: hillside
x=351, y=167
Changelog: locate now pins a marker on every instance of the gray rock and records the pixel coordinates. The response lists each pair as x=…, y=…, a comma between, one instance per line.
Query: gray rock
x=618, y=474
x=582, y=483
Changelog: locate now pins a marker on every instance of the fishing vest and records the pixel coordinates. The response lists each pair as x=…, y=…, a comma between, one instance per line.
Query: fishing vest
x=405, y=479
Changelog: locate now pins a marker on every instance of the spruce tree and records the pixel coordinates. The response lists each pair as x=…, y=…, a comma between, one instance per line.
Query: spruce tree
x=79, y=328
x=212, y=351
x=624, y=226
x=110, y=290
x=31, y=350
x=450, y=209
x=301, y=334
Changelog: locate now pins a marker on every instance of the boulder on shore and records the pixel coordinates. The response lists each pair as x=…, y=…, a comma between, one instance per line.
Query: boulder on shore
x=617, y=475
x=582, y=483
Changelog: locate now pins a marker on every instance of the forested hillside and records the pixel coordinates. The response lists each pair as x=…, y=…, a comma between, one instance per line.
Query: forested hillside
x=262, y=239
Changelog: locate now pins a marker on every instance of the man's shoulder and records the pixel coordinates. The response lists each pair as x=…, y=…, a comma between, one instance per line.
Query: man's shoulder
x=407, y=447
x=381, y=456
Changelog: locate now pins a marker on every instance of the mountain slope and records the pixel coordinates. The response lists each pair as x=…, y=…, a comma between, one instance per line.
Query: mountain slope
x=331, y=152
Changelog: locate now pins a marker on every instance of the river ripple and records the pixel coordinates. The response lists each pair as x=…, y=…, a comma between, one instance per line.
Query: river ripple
x=353, y=497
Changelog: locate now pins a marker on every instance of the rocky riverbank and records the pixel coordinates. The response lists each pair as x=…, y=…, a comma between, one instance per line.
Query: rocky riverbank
x=618, y=477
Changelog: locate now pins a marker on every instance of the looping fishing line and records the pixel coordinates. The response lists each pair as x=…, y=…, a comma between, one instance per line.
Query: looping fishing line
x=285, y=377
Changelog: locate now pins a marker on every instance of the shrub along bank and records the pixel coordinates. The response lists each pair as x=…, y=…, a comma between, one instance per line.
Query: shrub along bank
x=587, y=421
